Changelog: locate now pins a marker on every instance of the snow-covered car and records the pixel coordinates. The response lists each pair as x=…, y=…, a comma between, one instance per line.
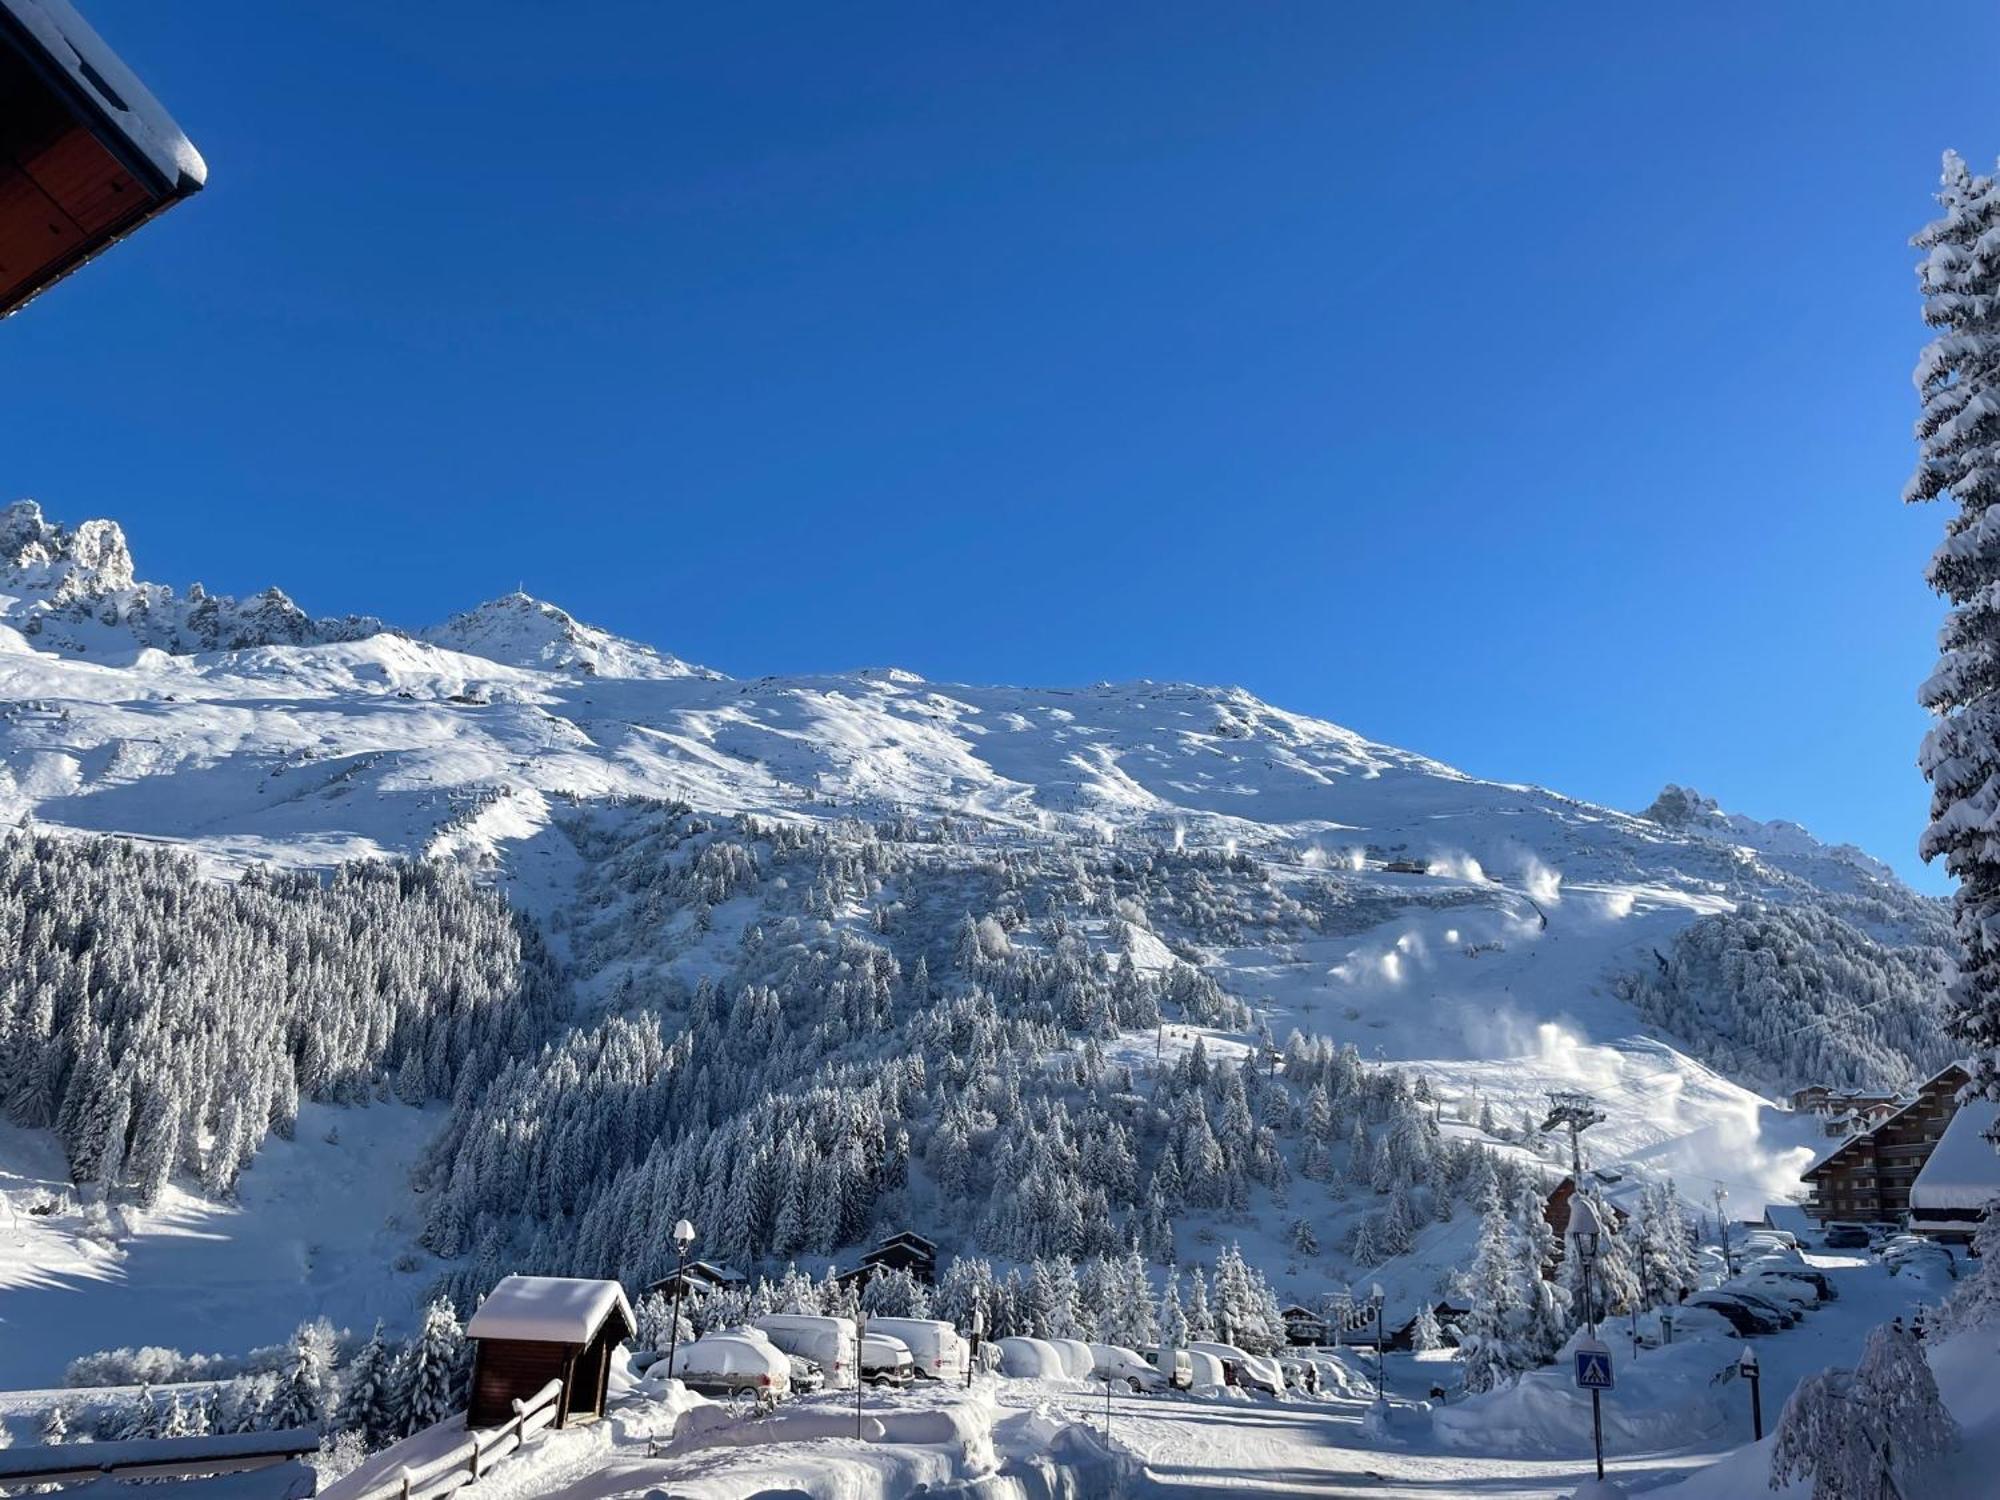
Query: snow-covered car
x=1781, y=1305
x=1205, y=1372
x=827, y=1342
x=807, y=1376
x=1300, y=1374
x=886, y=1360
x=936, y=1347
x=1787, y=1291
x=1920, y=1261
x=1252, y=1372
x=727, y=1364
x=1128, y=1367
x=1031, y=1359
x=1772, y=1237
x=1077, y=1359
x=1760, y=1249
x=1812, y=1276
x=1846, y=1237
x=1744, y=1315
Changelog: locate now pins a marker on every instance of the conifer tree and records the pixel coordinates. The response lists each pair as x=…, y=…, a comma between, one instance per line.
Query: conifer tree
x=1958, y=433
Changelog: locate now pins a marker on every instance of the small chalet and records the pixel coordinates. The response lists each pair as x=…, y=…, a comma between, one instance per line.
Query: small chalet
x=1303, y=1326
x=702, y=1277
x=534, y=1329
x=1446, y=1313
x=1869, y=1176
x=906, y=1251
x=1960, y=1181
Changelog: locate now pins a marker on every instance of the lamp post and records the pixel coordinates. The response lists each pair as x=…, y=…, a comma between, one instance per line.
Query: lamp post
x=978, y=1328
x=860, y=1379
x=1746, y=1365
x=1667, y=1326
x=683, y=1237
x=1375, y=1298
x=1583, y=1235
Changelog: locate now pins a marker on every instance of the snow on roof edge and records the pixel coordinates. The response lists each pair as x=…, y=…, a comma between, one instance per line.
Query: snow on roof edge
x=73, y=43
x=548, y=1309
x=1963, y=1169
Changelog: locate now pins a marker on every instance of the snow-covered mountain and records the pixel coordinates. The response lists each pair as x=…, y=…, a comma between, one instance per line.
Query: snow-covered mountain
x=781, y=862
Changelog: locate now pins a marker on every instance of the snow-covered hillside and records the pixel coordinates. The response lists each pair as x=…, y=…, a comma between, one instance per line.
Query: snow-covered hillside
x=816, y=844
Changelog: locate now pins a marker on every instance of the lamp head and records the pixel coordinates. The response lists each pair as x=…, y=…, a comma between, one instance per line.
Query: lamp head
x=1583, y=1227
x=1747, y=1360
x=683, y=1234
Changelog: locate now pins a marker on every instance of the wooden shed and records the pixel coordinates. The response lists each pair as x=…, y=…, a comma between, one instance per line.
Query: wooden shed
x=534, y=1329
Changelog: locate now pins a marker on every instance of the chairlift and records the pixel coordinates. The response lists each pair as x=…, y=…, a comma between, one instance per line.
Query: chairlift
x=87, y=155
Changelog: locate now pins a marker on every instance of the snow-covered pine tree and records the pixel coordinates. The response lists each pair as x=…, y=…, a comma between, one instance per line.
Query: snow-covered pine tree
x=368, y=1390
x=1426, y=1335
x=432, y=1378
x=1855, y=1433
x=1958, y=435
x=1174, y=1332
x=306, y=1385
x=1489, y=1348
x=1200, y=1320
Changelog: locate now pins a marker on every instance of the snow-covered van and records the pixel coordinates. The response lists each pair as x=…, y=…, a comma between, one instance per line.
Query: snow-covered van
x=935, y=1346
x=1076, y=1357
x=1030, y=1359
x=827, y=1342
x=1253, y=1372
x=1205, y=1371
x=728, y=1364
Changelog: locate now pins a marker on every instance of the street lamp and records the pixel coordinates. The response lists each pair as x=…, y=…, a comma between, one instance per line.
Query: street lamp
x=683, y=1237
x=1375, y=1298
x=1746, y=1365
x=1584, y=1232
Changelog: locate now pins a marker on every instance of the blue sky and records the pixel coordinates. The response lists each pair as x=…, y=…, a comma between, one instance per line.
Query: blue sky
x=1528, y=385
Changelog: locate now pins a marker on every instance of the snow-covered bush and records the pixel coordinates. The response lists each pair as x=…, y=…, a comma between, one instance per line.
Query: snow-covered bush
x=1855, y=1432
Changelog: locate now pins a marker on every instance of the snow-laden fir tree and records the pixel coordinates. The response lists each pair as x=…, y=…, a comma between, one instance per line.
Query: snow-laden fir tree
x=1958, y=436
x=1174, y=1330
x=1857, y=1434
x=432, y=1378
x=1489, y=1346
x=307, y=1390
x=367, y=1391
x=1426, y=1335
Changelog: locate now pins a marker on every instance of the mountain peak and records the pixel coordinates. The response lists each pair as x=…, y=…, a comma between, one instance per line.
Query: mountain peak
x=59, y=563
x=75, y=592
x=520, y=630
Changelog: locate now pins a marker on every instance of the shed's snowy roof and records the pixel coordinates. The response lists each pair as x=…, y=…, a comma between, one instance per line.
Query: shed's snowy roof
x=548, y=1309
x=1964, y=1169
x=1788, y=1216
x=99, y=73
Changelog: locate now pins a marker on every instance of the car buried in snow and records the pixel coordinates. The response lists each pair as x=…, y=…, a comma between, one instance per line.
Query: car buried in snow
x=1743, y=1314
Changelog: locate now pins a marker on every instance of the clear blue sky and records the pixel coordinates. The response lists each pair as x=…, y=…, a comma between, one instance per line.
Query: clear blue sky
x=1525, y=384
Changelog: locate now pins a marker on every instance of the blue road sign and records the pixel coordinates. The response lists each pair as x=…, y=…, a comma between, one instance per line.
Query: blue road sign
x=1593, y=1370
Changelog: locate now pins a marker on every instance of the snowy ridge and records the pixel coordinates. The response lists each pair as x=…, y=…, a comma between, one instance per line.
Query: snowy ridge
x=1258, y=867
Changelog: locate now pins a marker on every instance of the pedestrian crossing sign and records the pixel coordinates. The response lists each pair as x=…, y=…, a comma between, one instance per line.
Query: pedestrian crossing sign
x=1593, y=1367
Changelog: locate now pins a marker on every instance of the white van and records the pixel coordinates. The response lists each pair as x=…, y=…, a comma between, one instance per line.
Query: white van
x=827, y=1342
x=939, y=1352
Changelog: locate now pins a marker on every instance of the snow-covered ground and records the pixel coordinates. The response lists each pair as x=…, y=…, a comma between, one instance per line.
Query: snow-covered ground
x=1675, y=1410
x=317, y=1228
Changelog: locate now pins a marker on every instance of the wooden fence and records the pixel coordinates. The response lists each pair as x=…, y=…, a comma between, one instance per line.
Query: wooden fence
x=155, y=1458
x=477, y=1455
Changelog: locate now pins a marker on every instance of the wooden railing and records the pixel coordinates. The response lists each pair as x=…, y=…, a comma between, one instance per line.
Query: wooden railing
x=482, y=1449
x=155, y=1458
